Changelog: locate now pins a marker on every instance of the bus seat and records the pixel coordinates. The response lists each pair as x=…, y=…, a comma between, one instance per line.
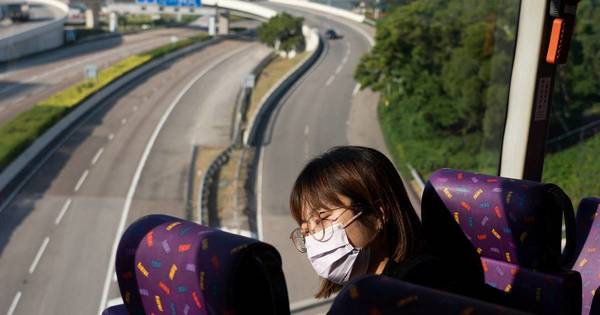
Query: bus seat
x=512, y=225
x=383, y=295
x=116, y=310
x=588, y=249
x=540, y=293
x=510, y=220
x=166, y=264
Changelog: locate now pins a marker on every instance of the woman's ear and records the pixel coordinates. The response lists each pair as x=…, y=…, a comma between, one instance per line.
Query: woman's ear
x=381, y=220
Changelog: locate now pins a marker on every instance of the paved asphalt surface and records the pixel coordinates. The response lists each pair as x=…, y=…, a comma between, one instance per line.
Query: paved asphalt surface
x=318, y=113
x=25, y=82
x=58, y=233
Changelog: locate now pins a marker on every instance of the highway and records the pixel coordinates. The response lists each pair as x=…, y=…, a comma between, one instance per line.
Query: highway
x=323, y=110
x=27, y=81
x=127, y=159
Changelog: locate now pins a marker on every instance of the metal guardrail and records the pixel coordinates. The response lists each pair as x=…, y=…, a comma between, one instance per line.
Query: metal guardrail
x=208, y=178
x=272, y=98
x=21, y=169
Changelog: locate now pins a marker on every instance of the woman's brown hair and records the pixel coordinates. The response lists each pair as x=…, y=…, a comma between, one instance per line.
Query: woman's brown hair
x=370, y=180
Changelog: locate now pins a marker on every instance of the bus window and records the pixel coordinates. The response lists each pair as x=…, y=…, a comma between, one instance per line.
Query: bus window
x=571, y=159
x=444, y=74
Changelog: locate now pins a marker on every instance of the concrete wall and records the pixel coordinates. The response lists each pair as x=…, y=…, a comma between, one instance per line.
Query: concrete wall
x=44, y=36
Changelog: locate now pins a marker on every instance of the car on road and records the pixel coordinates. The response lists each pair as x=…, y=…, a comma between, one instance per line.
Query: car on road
x=331, y=34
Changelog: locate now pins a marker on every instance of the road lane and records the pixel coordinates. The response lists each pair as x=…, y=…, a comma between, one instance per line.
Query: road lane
x=69, y=275
x=314, y=116
x=25, y=82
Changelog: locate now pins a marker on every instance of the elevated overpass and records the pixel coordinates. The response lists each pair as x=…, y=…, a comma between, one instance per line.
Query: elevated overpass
x=41, y=34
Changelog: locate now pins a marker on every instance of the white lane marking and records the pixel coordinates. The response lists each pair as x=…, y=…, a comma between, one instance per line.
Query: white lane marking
x=306, y=130
x=97, y=156
x=14, y=303
x=39, y=254
x=140, y=167
x=356, y=89
x=259, y=180
x=111, y=136
x=348, y=52
x=330, y=80
x=81, y=180
x=62, y=212
x=345, y=60
x=123, y=121
x=135, y=108
x=339, y=68
x=17, y=100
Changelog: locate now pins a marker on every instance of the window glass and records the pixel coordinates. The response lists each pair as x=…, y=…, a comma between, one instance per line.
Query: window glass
x=574, y=141
x=443, y=69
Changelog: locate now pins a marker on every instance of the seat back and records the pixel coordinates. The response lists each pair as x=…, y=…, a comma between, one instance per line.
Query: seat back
x=541, y=293
x=514, y=221
x=166, y=264
x=382, y=295
x=588, y=249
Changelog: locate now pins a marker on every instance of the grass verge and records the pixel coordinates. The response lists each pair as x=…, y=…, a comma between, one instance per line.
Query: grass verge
x=17, y=134
x=271, y=74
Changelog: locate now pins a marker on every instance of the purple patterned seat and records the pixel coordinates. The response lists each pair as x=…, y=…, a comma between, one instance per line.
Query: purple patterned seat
x=514, y=226
x=382, y=295
x=169, y=265
x=588, y=249
x=116, y=310
x=541, y=293
x=515, y=221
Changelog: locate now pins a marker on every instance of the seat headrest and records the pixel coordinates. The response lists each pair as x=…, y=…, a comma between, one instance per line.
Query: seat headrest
x=383, y=295
x=515, y=221
x=166, y=264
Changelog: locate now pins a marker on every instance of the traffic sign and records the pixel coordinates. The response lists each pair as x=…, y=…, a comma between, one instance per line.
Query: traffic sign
x=173, y=3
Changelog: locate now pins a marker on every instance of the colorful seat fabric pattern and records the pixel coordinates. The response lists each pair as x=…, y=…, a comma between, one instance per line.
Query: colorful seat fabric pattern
x=166, y=265
x=383, y=295
x=588, y=262
x=514, y=221
x=536, y=292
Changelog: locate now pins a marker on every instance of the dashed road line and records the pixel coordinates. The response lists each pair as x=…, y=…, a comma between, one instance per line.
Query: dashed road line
x=356, y=89
x=39, y=254
x=111, y=136
x=330, y=80
x=14, y=303
x=138, y=172
x=345, y=60
x=306, y=130
x=97, y=156
x=123, y=121
x=339, y=68
x=135, y=108
x=81, y=180
x=62, y=212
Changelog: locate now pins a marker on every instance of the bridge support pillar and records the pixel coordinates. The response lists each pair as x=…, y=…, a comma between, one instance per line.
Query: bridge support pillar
x=92, y=14
x=223, y=21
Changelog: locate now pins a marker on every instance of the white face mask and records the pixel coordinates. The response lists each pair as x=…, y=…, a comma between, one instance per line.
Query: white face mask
x=336, y=259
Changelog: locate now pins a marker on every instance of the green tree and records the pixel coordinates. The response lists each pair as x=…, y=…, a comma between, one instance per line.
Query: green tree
x=282, y=32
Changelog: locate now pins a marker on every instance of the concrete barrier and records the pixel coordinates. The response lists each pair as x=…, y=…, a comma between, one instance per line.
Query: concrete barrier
x=268, y=103
x=40, y=150
x=44, y=36
x=323, y=8
x=242, y=6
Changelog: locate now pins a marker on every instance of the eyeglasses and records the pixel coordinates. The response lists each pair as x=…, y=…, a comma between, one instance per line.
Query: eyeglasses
x=318, y=229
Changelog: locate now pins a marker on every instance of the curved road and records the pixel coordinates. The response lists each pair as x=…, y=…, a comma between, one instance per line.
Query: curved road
x=321, y=111
x=30, y=80
x=127, y=159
